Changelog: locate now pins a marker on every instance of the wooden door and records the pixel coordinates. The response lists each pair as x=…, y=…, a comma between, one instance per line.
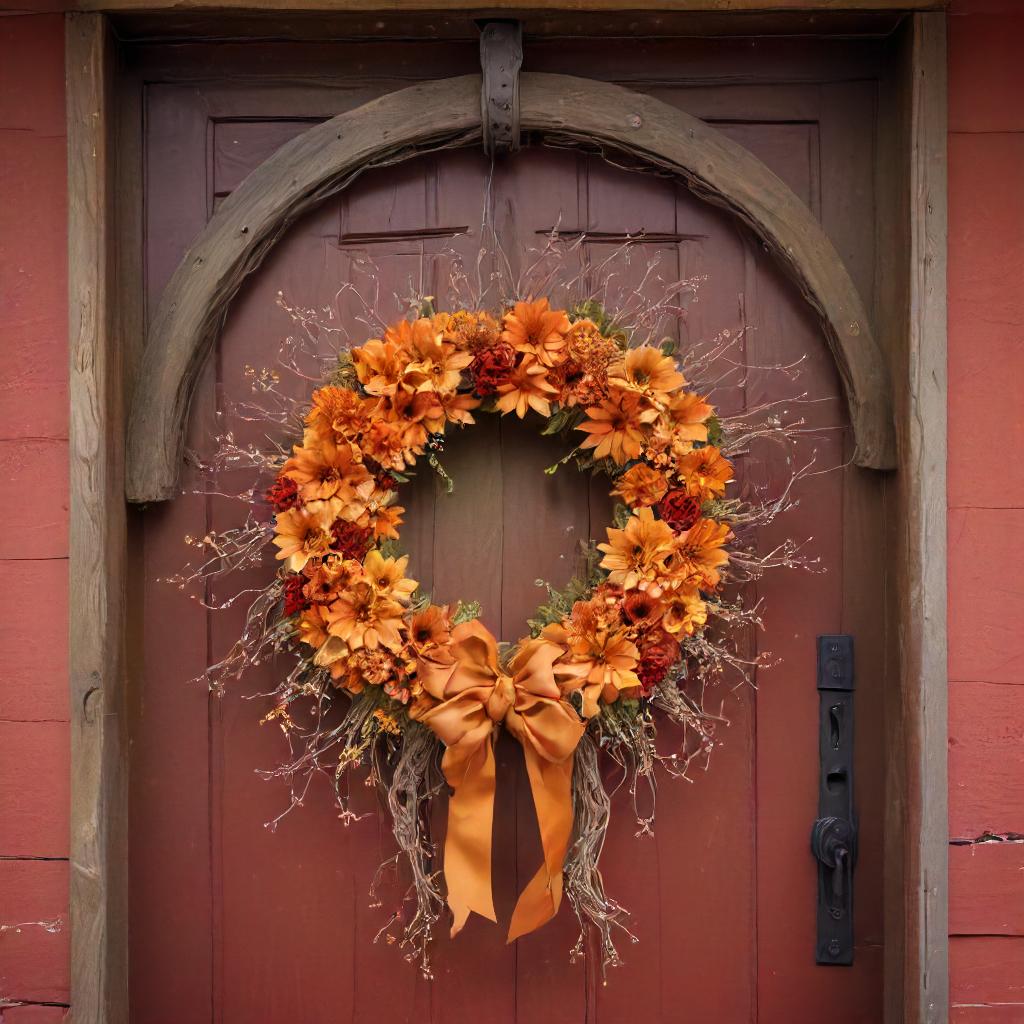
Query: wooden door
x=234, y=921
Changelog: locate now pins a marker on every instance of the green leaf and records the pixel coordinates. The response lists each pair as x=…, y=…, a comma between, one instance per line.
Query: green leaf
x=465, y=611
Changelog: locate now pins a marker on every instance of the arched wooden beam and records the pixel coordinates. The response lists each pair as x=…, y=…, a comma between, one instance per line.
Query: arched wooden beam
x=446, y=114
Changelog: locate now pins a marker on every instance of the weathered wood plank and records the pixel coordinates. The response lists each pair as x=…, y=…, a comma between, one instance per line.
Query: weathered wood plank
x=516, y=5
x=921, y=542
x=324, y=159
x=98, y=859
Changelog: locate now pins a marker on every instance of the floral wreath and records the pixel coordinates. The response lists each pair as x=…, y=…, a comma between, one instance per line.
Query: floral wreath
x=620, y=641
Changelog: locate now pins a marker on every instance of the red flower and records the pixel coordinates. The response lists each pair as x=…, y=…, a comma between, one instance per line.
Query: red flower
x=492, y=367
x=352, y=540
x=386, y=482
x=294, y=599
x=679, y=509
x=283, y=494
x=658, y=653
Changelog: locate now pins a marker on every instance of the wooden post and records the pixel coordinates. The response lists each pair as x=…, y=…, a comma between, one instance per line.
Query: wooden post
x=99, y=884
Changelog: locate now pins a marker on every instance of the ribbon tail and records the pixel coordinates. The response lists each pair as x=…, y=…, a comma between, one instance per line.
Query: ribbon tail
x=467, y=848
x=551, y=786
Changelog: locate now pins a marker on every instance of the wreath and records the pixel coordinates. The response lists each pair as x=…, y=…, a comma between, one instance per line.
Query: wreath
x=637, y=633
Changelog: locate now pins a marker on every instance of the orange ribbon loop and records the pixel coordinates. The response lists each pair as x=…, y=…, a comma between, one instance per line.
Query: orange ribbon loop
x=473, y=696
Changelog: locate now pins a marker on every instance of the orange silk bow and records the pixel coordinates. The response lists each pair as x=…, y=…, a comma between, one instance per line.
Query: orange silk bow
x=471, y=696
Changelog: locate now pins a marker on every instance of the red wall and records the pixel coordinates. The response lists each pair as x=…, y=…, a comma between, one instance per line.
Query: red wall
x=34, y=739
x=986, y=510
x=986, y=515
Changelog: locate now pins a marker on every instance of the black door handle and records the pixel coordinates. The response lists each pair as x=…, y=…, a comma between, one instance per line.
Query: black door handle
x=834, y=834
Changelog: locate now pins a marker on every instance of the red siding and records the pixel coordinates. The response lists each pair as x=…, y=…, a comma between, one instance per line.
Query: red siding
x=986, y=511
x=34, y=741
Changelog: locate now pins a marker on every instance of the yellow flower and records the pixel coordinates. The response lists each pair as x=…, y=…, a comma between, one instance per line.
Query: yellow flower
x=638, y=552
x=684, y=611
x=387, y=576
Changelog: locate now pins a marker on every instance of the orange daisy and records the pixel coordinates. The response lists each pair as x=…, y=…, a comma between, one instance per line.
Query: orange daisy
x=527, y=388
x=617, y=427
x=647, y=371
x=304, y=533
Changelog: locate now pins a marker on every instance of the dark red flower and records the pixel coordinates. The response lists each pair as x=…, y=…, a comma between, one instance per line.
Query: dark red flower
x=386, y=482
x=352, y=540
x=294, y=599
x=283, y=494
x=679, y=509
x=492, y=367
x=658, y=653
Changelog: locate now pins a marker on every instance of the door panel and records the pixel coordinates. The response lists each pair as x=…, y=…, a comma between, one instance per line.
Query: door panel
x=234, y=921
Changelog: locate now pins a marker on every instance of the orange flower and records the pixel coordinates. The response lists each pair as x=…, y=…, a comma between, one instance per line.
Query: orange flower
x=641, y=486
x=429, y=628
x=387, y=576
x=456, y=407
x=638, y=552
x=698, y=554
x=329, y=470
x=380, y=364
x=533, y=328
x=468, y=331
x=617, y=427
x=705, y=472
x=387, y=521
x=313, y=626
x=304, y=533
x=436, y=365
x=527, y=389
x=324, y=580
x=336, y=412
x=647, y=371
x=362, y=618
x=610, y=656
x=687, y=415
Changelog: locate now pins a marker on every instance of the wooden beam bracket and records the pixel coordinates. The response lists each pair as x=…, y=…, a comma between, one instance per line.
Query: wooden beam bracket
x=501, y=57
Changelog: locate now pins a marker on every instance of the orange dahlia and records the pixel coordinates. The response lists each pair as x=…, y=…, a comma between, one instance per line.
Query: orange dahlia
x=647, y=371
x=699, y=556
x=533, y=328
x=704, y=472
x=641, y=486
x=304, y=533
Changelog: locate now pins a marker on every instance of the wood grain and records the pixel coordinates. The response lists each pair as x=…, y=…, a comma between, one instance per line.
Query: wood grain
x=921, y=543
x=516, y=5
x=324, y=159
x=98, y=881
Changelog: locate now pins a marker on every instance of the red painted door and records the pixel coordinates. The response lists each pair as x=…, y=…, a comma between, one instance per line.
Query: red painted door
x=232, y=921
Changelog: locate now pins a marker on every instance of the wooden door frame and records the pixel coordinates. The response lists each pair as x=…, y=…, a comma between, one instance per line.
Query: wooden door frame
x=105, y=332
